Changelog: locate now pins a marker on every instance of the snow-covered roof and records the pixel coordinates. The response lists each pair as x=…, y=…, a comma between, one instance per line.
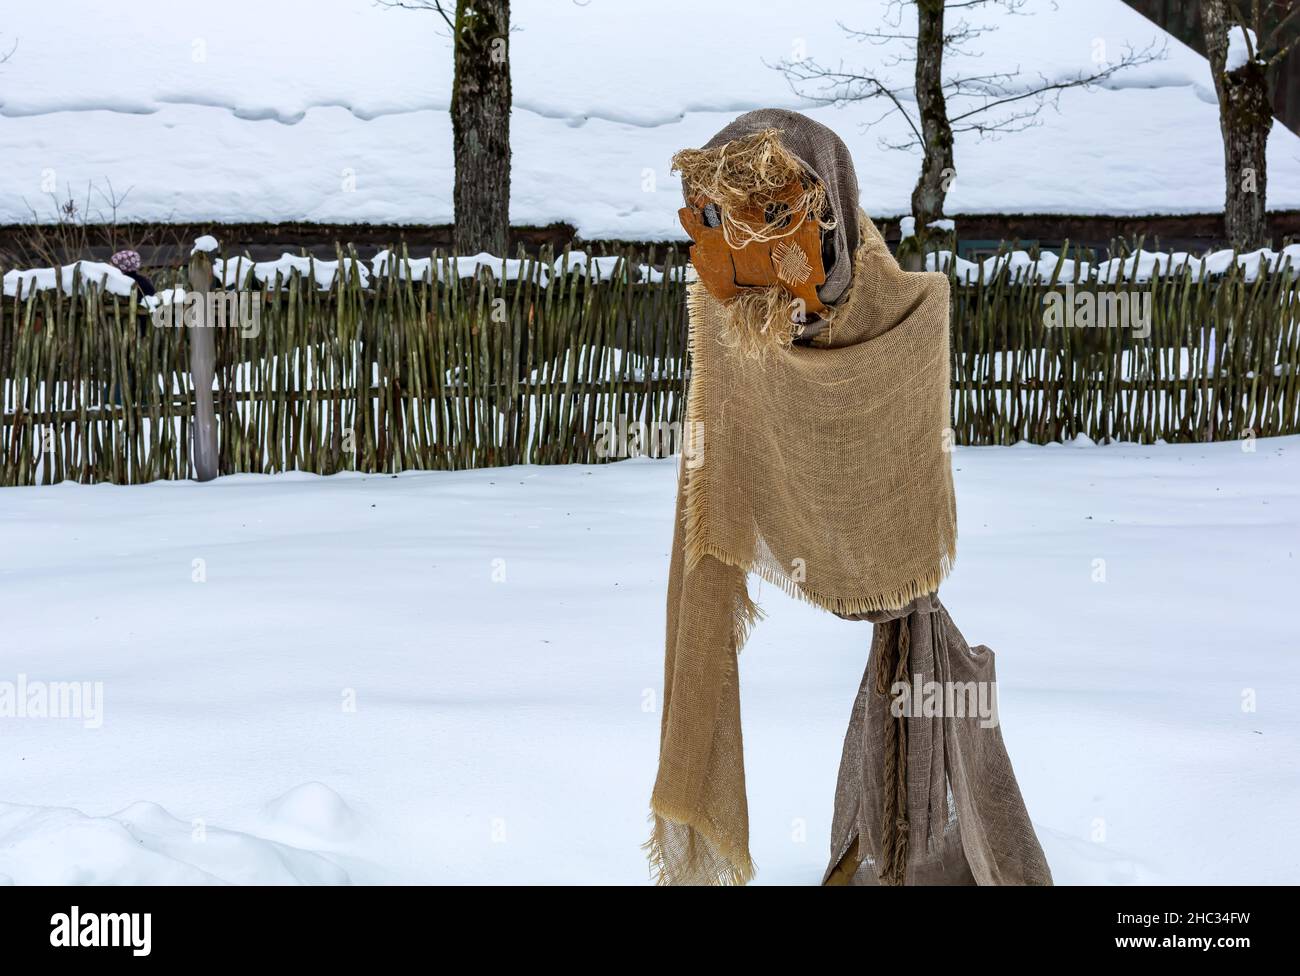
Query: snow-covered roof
x=336, y=110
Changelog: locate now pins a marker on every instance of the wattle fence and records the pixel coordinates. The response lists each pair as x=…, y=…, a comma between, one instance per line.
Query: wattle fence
x=422, y=367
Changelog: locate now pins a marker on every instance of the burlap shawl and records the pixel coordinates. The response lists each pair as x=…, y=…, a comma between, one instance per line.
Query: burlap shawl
x=824, y=471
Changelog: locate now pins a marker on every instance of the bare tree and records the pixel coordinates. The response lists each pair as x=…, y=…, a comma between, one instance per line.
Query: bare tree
x=480, y=118
x=1241, y=49
x=988, y=104
x=72, y=228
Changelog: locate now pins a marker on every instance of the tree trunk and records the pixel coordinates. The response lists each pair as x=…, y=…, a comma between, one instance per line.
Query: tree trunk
x=936, y=133
x=480, y=125
x=1245, y=118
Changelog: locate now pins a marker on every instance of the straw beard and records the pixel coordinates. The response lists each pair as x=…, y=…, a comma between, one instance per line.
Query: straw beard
x=759, y=320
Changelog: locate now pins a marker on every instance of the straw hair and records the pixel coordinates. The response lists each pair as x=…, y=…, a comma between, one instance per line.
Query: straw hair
x=750, y=174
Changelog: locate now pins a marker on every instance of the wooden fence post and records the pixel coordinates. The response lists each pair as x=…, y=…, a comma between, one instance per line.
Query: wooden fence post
x=203, y=366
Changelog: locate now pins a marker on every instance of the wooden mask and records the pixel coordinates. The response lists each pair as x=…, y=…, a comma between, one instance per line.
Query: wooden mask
x=792, y=260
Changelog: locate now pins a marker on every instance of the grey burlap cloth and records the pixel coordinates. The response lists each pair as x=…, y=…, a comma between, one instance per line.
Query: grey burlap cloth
x=956, y=816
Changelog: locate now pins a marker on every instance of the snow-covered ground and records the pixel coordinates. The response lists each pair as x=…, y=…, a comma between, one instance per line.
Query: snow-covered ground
x=336, y=110
x=454, y=676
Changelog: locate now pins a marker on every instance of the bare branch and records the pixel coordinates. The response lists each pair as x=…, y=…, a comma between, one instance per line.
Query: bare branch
x=1050, y=90
x=988, y=104
x=840, y=87
x=434, y=5
x=1293, y=9
x=876, y=37
x=1010, y=6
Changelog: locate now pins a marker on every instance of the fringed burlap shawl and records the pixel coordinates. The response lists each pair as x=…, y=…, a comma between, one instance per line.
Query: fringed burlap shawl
x=824, y=470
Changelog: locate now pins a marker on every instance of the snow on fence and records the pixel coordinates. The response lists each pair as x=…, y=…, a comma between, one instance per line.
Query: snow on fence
x=1047, y=267
x=472, y=362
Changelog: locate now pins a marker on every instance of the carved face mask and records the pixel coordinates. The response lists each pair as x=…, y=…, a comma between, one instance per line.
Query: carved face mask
x=754, y=247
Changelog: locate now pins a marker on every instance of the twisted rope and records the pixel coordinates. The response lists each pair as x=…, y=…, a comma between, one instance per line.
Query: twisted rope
x=892, y=664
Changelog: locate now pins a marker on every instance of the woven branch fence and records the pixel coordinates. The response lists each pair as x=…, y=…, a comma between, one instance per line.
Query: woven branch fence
x=475, y=372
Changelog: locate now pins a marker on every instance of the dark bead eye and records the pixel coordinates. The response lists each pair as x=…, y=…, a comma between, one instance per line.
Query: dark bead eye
x=777, y=215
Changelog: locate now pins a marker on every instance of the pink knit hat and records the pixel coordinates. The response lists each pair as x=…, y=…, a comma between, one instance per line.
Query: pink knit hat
x=126, y=261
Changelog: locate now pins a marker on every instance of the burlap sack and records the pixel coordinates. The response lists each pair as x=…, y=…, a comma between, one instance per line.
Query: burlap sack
x=965, y=820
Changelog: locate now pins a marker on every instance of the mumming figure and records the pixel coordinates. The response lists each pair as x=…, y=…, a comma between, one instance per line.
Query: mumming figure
x=818, y=414
x=128, y=262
